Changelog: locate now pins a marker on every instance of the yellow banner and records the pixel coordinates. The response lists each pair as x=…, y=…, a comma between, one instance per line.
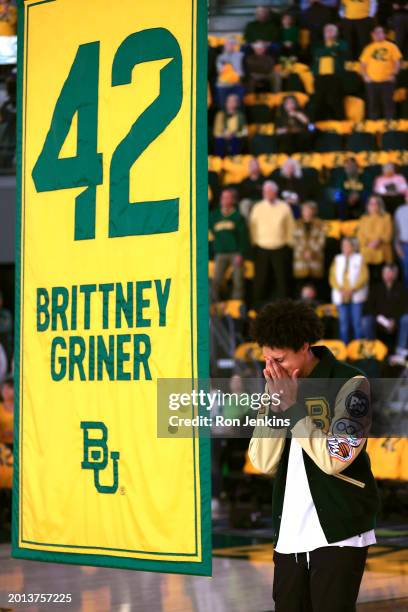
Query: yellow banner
x=112, y=282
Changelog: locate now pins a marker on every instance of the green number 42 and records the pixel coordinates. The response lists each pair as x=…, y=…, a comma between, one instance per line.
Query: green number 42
x=79, y=94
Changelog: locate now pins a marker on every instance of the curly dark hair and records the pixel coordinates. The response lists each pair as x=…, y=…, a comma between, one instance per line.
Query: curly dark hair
x=286, y=324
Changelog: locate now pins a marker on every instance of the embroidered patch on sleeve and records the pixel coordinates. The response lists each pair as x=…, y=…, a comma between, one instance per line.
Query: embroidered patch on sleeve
x=340, y=448
x=357, y=404
x=348, y=428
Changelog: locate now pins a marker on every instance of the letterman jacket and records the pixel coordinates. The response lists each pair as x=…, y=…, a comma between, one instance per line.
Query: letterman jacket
x=330, y=419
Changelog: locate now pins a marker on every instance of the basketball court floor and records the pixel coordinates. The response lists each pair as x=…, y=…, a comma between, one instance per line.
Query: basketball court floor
x=242, y=579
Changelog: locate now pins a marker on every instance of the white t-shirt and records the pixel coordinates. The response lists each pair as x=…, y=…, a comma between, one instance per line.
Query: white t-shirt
x=300, y=529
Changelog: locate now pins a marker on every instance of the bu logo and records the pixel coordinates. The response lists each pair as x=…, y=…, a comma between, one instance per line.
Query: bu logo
x=96, y=454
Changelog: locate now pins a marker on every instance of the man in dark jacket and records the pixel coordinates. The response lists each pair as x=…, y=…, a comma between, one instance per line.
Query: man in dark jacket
x=264, y=27
x=325, y=498
x=386, y=315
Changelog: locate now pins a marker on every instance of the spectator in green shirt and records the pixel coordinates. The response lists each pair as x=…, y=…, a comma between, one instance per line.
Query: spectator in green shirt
x=328, y=69
x=289, y=37
x=229, y=242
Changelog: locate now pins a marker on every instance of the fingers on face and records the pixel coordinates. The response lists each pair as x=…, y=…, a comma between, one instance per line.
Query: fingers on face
x=277, y=370
x=268, y=368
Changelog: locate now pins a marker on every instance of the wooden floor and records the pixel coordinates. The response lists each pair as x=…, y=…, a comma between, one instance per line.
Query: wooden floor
x=242, y=582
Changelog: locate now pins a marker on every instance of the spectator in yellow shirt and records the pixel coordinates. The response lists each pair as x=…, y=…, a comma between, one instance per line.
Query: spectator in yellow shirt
x=380, y=64
x=375, y=237
x=8, y=18
x=271, y=227
x=229, y=128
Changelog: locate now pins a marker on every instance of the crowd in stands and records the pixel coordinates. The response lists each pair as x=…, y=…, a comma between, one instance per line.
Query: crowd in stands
x=308, y=166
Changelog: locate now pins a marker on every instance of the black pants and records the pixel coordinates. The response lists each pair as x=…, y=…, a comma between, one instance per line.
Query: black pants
x=380, y=100
x=356, y=33
x=331, y=582
x=328, y=98
x=375, y=273
x=276, y=261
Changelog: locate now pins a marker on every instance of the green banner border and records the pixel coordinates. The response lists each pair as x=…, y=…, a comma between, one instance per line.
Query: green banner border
x=203, y=568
